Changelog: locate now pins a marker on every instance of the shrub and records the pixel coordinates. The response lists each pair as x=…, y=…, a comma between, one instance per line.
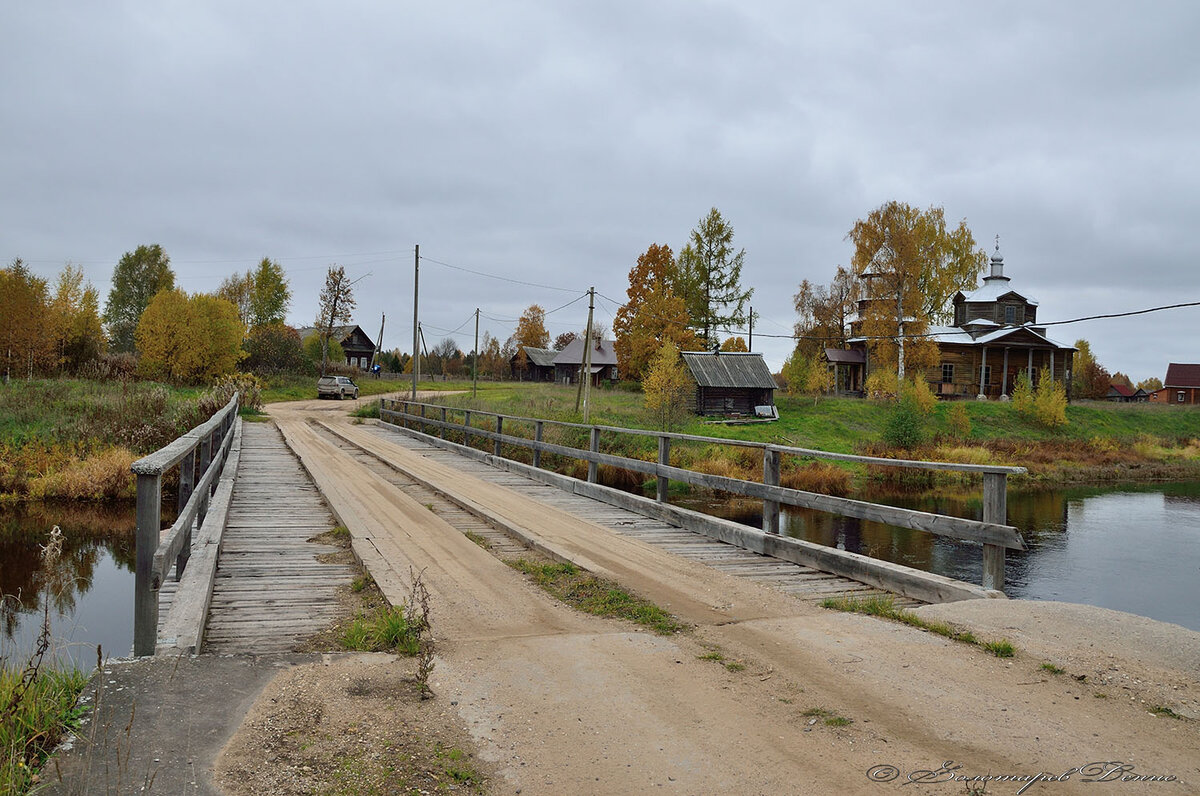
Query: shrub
x=1022, y=395
x=247, y=385
x=882, y=385
x=1050, y=402
x=958, y=421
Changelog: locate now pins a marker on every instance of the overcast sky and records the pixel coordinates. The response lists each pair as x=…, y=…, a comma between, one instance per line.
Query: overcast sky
x=551, y=143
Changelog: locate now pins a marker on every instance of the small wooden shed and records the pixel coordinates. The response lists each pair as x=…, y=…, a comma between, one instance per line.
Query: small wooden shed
x=731, y=383
x=539, y=364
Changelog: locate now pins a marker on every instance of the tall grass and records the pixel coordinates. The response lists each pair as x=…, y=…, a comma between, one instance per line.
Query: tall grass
x=38, y=702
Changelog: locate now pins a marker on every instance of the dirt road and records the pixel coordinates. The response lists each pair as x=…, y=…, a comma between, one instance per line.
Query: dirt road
x=565, y=703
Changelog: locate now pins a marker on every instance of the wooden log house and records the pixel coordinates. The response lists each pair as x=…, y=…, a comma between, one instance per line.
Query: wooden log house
x=730, y=383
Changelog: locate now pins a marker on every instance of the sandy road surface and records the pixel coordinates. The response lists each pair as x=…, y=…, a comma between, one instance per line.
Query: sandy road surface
x=564, y=703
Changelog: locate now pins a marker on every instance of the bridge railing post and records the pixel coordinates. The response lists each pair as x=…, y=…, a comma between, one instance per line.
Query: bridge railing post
x=770, y=520
x=537, y=437
x=442, y=430
x=499, y=431
x=145, y=599
x=664, y=458
x=594, y=447
x=467, y=427
x=995, y=510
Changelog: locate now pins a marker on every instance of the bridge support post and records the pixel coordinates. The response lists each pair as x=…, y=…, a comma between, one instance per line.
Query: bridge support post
x=499, y=431
x=467, y=427
x=664, y=458
x=145, y=599
x=442, y=430
x=770, y=478
x=995, y=509
x=537, y=437
x=594, y=447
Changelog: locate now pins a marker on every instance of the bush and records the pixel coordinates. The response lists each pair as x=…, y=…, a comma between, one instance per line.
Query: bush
x=1022, y=395
x=958, y=421
x=1050, y=402
x=882, y=385
x=905, y=427
x=246, y=385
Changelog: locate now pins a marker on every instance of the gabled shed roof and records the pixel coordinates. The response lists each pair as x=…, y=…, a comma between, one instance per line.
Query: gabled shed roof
x=542, y=357
x=1182, y=375
x=603, y=353
x=729, y=369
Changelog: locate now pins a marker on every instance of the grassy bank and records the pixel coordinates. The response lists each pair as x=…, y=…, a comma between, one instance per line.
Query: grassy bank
x=1101, y=442
x=75, y=439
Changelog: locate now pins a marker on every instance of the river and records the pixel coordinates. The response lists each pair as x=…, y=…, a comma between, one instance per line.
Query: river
x=1134, y=549
x=1131, y=548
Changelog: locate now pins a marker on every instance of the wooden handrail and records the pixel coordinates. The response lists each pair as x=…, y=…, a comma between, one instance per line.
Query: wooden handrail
x=992, y=532
x=154, y=555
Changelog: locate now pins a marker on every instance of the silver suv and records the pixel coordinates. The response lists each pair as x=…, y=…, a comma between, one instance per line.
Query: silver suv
x=336, y=387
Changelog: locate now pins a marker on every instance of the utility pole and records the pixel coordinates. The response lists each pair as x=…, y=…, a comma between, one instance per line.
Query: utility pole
x=416, y=284
x=475, y=359
x=587, y=357
x=750, y=345
x=379, y=341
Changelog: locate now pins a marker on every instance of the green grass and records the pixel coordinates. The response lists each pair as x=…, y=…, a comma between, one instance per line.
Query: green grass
x=384, y=630
x=1052, y=669
x=1163, y=710
x=830, y=718
x=33, y=720
x=884, y=607
x=585, y=592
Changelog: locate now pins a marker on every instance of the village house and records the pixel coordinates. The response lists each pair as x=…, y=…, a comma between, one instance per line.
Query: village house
x=993, y=339
x=538, y=365
x=357, y=347
x=1119, y=393
x=731, y=383
x=1181, y=386
x=569, y=362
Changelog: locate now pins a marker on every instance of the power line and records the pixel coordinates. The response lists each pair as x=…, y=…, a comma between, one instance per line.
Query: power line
x=499, y=278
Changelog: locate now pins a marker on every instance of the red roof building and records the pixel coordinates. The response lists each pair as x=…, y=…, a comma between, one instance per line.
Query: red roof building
x=1182, y=384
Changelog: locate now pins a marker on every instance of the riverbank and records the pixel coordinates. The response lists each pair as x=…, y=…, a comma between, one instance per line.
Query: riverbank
x=1102, y=443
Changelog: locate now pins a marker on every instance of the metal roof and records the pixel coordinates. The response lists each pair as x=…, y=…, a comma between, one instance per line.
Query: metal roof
x=729, y=369
x=952, y=334
x=845, y=356
x=542, y=357
x=604, y=353
x=1182, y=375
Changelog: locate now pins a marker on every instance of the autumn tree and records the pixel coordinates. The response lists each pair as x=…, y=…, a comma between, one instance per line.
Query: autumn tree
x=334, y=307
x=270, y=296
x=708, y=276
x=824, y=312
x=735, y=345
x=1120, y=378
x=275, y=348
x=23, y=320
x=1151, y=384
x=188, y=339
x=236, y=289
x=564, y=340
x=652, y=314
x=74, y=321
x=1089, y=379
x=909, y=265
x=138, y=277
x=805, y=374
x=531, y=331
x=667, y=386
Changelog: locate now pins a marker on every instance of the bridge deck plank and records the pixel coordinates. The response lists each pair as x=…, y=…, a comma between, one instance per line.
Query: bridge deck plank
x=270, y=590
x=803, y=582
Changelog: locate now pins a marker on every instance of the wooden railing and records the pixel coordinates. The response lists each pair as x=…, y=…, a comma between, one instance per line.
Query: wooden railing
x=992, y=532
x=203, y=451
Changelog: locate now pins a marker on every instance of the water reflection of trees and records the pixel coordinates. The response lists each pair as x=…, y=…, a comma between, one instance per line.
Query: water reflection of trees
x=88, y=531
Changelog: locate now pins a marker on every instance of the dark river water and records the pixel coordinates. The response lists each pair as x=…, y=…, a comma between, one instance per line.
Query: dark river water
x=1134, y=549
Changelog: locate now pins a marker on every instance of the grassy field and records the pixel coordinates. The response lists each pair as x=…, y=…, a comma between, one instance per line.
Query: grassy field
x=1101, y=441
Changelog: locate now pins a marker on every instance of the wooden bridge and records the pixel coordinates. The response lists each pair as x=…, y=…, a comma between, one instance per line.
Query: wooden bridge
x=237, y=571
